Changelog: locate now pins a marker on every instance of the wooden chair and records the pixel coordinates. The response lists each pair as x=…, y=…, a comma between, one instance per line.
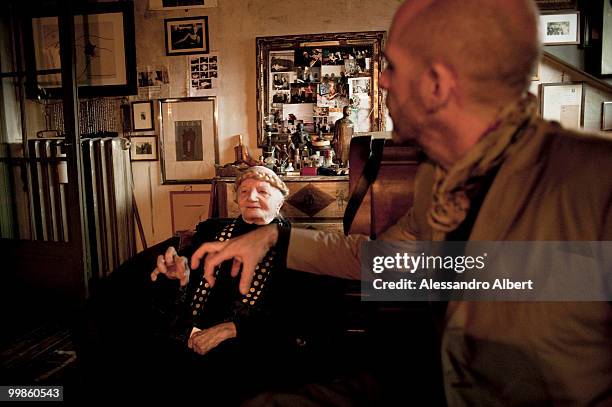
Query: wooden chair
x=391, y=195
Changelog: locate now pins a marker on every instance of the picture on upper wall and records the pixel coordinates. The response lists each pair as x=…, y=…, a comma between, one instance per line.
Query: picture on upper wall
x=104, y=52
x=560, y=29
x=180, y=4
x=202, y=74
x=187, y=35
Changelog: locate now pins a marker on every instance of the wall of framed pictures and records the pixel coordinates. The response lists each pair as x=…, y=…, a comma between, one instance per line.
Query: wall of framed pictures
x=309, y=79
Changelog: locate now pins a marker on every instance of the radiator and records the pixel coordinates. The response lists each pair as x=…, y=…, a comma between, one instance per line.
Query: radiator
x=107, y=182
x=108, y=186
x=48, y=179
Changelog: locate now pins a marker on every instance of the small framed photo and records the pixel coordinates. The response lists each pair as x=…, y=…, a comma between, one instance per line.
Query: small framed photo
x=186, y=36
x=606, y=116
x=142, y=116
x=563, y=102
x=143, y=148
x=560, y=28
x=188, y=140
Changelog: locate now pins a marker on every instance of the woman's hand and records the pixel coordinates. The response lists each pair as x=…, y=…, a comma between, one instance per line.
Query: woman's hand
x=204, y=341
x=246, y=250
x=172, y=266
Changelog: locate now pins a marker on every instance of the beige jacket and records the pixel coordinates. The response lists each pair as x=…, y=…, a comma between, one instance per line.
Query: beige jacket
x=554, y=185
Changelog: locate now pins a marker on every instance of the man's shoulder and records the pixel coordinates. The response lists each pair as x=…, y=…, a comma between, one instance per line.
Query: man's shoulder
x=549, y=145
x=578, y=150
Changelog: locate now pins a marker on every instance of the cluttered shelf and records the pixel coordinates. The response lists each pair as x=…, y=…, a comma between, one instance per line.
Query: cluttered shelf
x=313, y=201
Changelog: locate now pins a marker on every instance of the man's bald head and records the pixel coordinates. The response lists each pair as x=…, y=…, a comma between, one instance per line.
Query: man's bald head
x=491, y=46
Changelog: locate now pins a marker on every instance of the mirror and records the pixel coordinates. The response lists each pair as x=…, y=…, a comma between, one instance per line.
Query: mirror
x=305, y=81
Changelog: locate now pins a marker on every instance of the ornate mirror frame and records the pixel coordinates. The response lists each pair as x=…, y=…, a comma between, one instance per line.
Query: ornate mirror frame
x=366, y=46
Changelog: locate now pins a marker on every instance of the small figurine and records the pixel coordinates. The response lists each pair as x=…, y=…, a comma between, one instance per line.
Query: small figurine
x=343, y=132
x=301, y=137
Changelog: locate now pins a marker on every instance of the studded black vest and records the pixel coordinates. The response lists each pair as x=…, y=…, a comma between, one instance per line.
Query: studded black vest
x=224, y=302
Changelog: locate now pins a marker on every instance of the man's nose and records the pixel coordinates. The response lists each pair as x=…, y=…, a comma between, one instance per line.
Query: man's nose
x=384, y=80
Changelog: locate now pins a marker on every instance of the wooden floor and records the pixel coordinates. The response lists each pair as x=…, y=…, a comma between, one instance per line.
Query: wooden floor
x=44, y=355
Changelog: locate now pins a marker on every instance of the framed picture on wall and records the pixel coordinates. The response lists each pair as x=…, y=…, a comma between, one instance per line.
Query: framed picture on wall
x=143, y=148
x=606, y=116
x=142, y=116
x=104, y=45
x=188, y=140
x=180, y=4
x=560, y=28
x=188, y=208
x=188, y=35
x=563, y=102
x=556, y=4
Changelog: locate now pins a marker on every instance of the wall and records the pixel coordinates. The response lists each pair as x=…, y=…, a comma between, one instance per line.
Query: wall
x=233, y=26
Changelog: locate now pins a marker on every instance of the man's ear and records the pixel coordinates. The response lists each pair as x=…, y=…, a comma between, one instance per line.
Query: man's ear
x=437, y=86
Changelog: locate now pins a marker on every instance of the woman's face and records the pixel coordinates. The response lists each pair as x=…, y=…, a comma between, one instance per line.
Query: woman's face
x=259, y=202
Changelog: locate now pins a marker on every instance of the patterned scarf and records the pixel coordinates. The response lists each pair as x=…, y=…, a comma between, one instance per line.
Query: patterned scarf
x=454, y=188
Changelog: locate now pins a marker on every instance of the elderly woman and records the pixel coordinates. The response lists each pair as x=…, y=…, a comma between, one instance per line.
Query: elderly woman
x=159, y=331
x=216, y=315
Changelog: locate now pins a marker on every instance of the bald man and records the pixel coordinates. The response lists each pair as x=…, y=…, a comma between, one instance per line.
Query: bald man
x=457, y=79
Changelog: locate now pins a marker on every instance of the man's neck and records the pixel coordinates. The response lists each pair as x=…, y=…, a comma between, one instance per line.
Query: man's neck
x=451, y=141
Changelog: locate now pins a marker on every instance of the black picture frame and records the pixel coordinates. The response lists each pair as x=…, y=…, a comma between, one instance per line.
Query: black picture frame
x=142, y=108
x=125, y=58
x=556, y=4
x=193, y=40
